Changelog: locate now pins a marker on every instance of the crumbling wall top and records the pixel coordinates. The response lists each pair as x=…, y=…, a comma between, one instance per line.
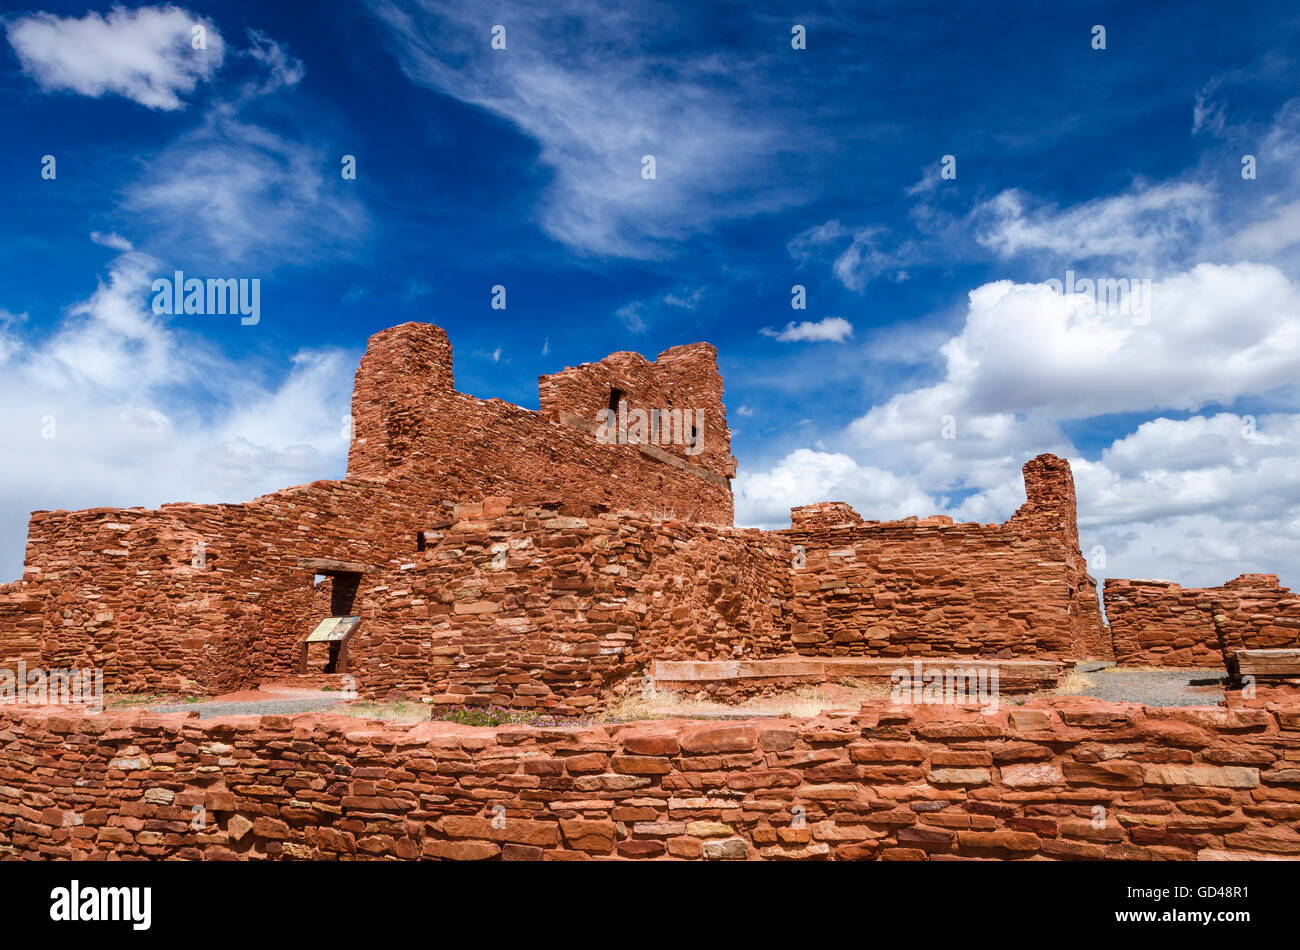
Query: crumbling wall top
x=680, y=391
x=403, y=369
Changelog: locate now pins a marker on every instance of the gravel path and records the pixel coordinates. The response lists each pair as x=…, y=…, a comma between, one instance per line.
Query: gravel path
x=258, y=707
x=1182, y=687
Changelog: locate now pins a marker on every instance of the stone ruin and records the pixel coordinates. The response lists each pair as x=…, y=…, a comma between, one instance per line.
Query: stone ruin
x=480, y=553
x=498, y=555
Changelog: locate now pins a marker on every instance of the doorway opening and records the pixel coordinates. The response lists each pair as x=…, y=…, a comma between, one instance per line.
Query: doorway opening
x=339, y=581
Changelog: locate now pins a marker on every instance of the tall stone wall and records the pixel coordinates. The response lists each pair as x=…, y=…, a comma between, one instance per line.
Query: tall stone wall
x=1075, y=779
x=126, y=590
x=1162, y=624
x=407, y=419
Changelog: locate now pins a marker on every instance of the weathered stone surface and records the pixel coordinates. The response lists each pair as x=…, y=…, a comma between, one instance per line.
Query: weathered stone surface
x=1227, y=776
x=1160, y=623
x=317, y=786
x=1033, y=775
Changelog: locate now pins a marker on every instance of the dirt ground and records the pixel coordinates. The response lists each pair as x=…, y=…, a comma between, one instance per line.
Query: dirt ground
x=1149, y=685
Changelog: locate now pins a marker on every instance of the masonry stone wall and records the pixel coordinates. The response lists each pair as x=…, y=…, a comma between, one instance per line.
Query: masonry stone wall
x=1163, y=624
x=201, y=598
x=614, y=555
x=928, y=587
x=22, y=622
x=552, y=607
x=530, y=606
x=120, y=589
x=1256, y=617
x=680, y=379
x=1160, y=623
x=408, y=419
x=1072, y=779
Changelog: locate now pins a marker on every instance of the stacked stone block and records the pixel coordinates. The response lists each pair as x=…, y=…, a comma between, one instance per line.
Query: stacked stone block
x=1070, y=780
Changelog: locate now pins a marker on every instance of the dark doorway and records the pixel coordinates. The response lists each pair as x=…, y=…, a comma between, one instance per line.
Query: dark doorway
x=615, y=397
x=342, y=593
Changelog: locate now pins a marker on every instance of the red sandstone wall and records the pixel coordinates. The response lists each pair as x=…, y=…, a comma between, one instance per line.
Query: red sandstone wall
x=22, y=622
x=408, y=419
x=684, y=377
x=117, y=589
x=583, y=598
x=928, y=587
x=125, y=590
x=1160, y=623
x=1069, y=780
x=541, y=607
x=1252, y=616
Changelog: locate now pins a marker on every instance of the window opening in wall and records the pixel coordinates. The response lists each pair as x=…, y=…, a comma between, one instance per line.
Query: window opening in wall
x=615, y=397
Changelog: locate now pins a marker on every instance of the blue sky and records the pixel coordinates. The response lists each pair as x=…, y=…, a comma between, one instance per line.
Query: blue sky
x=927, y=313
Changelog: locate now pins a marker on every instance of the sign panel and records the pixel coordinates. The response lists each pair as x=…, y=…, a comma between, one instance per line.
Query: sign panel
x=333, y=629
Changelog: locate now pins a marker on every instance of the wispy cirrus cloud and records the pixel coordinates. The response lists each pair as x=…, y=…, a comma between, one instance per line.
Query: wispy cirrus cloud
x=580, y=79
x=229, y=191
x=860, y=254
x=1149, y=226
x=236, y=192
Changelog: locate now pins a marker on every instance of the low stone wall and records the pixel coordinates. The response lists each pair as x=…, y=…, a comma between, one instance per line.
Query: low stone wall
x=930, y=588
x=1160, y=623
x=1260, y=618
x=1072, y=779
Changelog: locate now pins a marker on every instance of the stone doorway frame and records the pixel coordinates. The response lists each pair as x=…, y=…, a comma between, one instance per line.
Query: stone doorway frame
x=349, y=572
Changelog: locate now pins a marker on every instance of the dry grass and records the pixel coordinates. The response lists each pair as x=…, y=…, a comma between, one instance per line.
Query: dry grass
x=400, y=711
x=130, y=700
x=1072, y=683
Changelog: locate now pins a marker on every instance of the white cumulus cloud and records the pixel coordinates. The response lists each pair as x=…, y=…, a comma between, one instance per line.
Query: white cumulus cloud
x=146, y=55
x=122, y=407
x=828, y=330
